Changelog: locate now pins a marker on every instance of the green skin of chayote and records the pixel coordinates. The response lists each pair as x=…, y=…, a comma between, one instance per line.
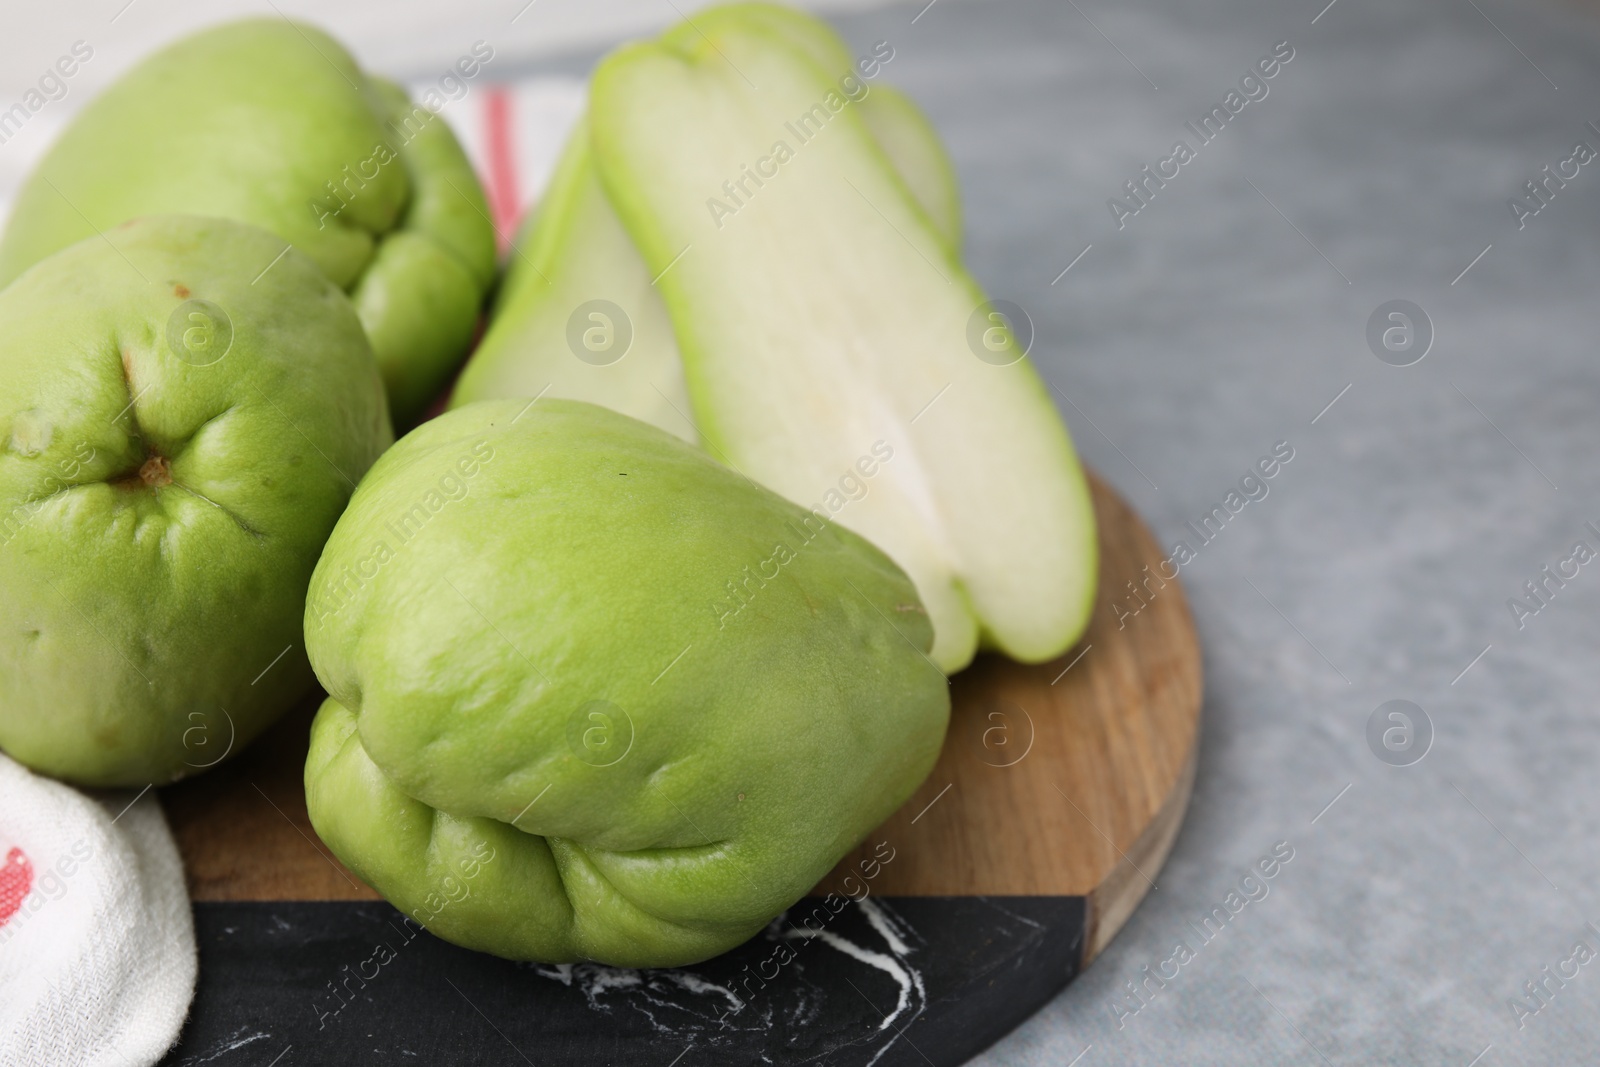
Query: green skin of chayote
x=169, y=471
x=273, y=124
x=525, y=616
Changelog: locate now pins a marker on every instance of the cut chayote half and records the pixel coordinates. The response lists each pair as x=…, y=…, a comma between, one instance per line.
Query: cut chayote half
x=272, y=123
x=184, y=412
x=825, y=312
x=578, y=315
x=594, y=696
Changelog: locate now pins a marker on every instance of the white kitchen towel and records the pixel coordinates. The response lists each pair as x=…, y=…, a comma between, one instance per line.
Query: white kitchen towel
x=97, y=953
x=513, y=132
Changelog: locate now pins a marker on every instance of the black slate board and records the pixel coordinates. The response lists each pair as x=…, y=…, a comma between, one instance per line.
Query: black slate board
x=897, y=981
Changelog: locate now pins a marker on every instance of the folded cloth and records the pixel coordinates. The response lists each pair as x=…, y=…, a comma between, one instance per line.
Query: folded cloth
x=97, y=952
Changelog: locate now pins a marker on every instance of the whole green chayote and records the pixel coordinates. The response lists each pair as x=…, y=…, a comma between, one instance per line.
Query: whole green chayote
x=272, y=123
x=183, y=416
x=595, y=696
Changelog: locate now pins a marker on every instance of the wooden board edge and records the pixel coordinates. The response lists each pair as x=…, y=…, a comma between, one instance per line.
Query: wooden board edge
x=1114, y=901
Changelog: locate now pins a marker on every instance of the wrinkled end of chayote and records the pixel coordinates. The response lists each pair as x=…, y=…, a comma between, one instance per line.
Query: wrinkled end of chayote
x=486, y=885
x=184, y=412
x=420, y=295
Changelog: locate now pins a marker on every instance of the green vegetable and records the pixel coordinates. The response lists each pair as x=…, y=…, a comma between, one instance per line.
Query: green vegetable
x=272, y=123
x=822, y=311
x=183, y=415
x=595, y=696
x=578, y=316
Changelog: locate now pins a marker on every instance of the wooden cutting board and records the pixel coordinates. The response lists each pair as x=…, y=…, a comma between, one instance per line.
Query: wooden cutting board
x=1056, y=799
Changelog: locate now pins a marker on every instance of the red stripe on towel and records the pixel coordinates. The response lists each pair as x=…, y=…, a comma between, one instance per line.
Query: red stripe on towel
x=502, y=177
x=16, y=882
